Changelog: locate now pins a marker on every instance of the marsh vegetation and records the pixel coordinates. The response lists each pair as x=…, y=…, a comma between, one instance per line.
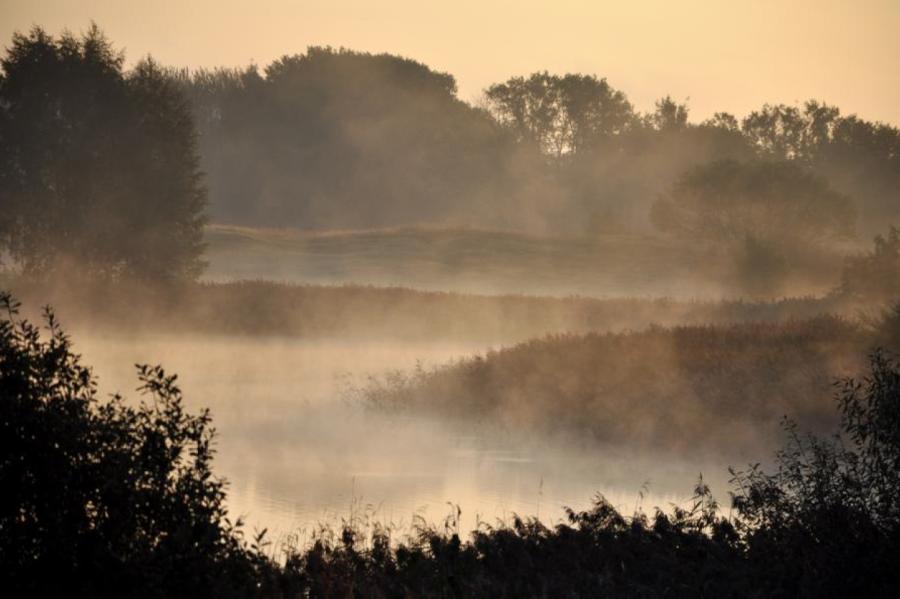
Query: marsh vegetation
x=449, y=348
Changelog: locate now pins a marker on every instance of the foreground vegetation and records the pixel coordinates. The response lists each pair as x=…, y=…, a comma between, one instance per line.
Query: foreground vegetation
x=108, y=498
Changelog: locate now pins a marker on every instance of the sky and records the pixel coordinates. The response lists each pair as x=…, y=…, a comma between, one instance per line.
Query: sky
x=731, y=56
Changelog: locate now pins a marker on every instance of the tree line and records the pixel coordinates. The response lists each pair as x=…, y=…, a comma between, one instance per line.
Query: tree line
x=332, y=138
x=118, y=169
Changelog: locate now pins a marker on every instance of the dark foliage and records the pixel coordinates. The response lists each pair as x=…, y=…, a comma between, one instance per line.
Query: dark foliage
x=560, y=115
x=827, y=522
x=340, y=138
x=860, y=158
x=98, y=497
x=337, y=139
x=98, y=167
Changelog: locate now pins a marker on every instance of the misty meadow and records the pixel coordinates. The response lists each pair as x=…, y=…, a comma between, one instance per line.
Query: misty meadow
x=322, y=327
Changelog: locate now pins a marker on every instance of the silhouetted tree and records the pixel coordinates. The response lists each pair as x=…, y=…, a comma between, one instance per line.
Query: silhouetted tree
x=336, y=138
x=561, y=114
x=669, y=115
x=110, y=499
x=859, y=157
x=99, y=167
x=723, y=120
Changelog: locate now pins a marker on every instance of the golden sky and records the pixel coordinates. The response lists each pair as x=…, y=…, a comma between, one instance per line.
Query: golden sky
x=729, y=55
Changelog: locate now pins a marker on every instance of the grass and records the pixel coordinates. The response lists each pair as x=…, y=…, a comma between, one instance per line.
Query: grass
x=687, y=388
x=483, y=261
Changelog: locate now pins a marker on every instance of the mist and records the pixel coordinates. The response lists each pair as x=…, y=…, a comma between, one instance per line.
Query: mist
x=400, y=331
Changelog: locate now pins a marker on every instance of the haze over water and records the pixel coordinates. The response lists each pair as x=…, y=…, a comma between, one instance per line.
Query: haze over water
x=298, y=452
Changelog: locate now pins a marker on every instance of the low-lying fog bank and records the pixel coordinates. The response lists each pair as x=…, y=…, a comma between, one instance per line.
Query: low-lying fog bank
x=297, y=453
x=322, y=414
x=266, y=309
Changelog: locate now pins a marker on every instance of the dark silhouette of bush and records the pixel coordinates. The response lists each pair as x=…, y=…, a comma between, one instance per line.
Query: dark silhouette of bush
x=826, y=523
x=595, y=553
x=105, y=498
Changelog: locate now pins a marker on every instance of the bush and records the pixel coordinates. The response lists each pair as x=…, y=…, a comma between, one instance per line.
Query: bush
x=97, y=497
x=827, y=521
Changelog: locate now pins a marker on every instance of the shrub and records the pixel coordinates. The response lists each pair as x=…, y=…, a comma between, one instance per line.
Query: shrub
x=97, y=497
x=827, y=521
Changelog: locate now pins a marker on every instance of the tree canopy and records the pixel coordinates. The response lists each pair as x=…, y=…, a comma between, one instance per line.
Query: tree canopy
x=560, y=114
x=98, y=165
x=859, y=157
x=340, y=138
x=102, y=163
x=776, y=202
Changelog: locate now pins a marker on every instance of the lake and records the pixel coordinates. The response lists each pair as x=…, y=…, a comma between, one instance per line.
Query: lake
x=298, y=453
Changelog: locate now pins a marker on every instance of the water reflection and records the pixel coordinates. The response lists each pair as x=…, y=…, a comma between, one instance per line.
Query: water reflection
x=296, y=455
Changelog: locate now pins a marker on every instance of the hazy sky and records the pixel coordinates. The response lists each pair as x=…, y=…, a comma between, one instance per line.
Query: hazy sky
x=729, y=55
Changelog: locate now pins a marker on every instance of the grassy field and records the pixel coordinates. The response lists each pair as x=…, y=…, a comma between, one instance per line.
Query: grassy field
x=477, y=261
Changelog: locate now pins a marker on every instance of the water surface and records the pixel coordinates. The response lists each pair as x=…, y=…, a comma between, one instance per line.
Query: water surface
x=298, y=454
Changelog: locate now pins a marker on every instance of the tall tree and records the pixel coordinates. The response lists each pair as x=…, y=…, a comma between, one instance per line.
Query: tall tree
x=99, y=167
x=560, y=114
x=337, y=138
x=669, y=115
x=859, y=157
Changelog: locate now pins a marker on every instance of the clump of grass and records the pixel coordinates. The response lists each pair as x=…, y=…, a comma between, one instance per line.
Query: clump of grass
x=690, y=388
